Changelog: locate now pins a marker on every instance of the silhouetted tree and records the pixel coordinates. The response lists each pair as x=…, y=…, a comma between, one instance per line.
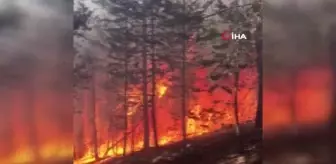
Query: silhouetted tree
x=81, y=73
x=230, y=57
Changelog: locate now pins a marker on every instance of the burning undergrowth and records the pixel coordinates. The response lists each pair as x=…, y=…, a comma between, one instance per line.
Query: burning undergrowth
x=207, y=112
x=140, y=84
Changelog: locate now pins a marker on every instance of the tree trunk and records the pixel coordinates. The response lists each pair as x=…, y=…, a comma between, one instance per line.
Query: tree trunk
x=125, y=105
x=236, y=101
x=183, y=84
x=153, y=113
x=92, y=115
x=236, y=111
x=78, y=125
x=110, y=131
x=183, y=94
x=132, y=135
x=259, y=113
x=144, y=89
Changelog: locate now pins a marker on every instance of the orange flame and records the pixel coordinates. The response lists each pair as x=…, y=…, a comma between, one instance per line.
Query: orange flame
x=194, y=128
x=162, y=90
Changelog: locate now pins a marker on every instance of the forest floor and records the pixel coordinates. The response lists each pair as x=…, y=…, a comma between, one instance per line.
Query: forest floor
x=221, y=147
x=224, y=147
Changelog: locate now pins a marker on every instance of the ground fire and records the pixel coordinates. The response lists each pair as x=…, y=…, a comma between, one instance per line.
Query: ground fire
x=211, y=87
x=196, y=127
x=63, y=148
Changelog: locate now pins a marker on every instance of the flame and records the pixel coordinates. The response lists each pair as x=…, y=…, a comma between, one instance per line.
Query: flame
x=161, y=90
x=194, y=127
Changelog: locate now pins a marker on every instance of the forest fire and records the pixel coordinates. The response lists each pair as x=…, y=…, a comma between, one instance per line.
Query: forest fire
x=313, y=108
x=200, y=121
x=162, y=90
x=315, y=92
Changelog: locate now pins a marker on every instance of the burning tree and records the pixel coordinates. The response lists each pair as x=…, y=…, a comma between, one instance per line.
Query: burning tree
x=151, y=51
x=229, y=58
x=83, y=79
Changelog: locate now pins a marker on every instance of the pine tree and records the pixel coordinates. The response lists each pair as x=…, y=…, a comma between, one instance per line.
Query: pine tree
x=154, y=69
x=259, y=45
x=92, y=114
x=134, y=12
x=182, y=21
x=230, y=57
x=156, y=30
x=82, y=14
x=125, y=103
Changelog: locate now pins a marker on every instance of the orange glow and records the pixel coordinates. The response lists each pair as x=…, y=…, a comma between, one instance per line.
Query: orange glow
x=312, y=99
x=201, y=123
x=43, y=136
x=161, y=90
x=46, y=152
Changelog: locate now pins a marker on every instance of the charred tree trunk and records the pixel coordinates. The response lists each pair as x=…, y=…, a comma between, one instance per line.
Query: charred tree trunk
x=110, y=132
x=236, y=101
x=183, y=94
x=132, y=136
x=92, y=115
x=259, y=113
x=153, y=113
x=183, y=84
x=125, y=105
x=144, y=83
x=79, y=147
